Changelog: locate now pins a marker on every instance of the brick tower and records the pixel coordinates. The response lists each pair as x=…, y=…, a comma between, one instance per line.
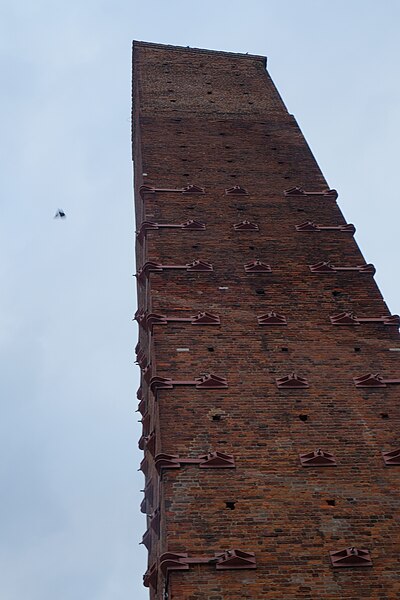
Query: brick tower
x=269, y=374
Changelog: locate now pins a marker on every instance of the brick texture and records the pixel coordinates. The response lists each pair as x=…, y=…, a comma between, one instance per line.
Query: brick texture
x=215, y=120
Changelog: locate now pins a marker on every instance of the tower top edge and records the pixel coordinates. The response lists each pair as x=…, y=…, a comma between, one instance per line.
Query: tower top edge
x=188, y=49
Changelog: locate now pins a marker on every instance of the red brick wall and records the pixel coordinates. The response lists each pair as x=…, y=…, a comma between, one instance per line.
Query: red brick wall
x=216, y=120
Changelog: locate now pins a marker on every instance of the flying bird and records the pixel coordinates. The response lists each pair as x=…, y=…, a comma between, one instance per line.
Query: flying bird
x=60, y=214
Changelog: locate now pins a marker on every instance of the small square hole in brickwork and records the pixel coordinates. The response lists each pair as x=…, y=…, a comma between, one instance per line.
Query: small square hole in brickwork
x=357, y=349
x=303, y=418
x=286, y=178
x=217, y=417
x=186, y=174
x=233, y=175
x=301, y=210
x=230, y=505
x=209, y=92
x=195, y=247
x=210, y=349
x=252, y=247
x=384, y=416
x=284, y=349
x=337, y=293
x=260, y=292
x=331, y=502
x=280, y=162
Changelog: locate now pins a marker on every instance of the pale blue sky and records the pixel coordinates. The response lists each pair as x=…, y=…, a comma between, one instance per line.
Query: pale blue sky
x=70, y=523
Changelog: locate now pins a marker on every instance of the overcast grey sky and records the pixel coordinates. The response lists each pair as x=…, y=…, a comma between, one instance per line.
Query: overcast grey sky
x=69, y=520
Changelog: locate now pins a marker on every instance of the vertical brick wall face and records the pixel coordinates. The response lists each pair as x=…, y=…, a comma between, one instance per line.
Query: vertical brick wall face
x=215, y=120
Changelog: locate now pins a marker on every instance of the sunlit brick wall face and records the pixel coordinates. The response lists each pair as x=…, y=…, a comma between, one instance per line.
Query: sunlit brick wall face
x=215, y=120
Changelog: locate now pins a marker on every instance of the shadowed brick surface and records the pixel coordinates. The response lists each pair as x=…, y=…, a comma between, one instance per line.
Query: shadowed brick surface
x=215, y=120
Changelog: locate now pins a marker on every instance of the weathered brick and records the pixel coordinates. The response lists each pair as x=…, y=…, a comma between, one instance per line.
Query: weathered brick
x=215, y=120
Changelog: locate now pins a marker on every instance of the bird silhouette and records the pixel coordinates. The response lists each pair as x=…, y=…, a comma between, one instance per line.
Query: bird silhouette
x=60, y=214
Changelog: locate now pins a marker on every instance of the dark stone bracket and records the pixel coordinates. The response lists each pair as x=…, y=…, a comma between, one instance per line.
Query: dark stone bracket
x=392, y=458
x=153, y=267
x=292, y=381
x=271, y=318
x=246, y=226
x=204, y=382
x=189, y=189
x=318, y=458
x=298, y=191
x=211, y=460
x=202, y=318
x=371, y=380
x=327, y=267
x=180, y=561
x=351, y=557
x=256, y=266
x=349, y=318
x=236, y=190
x=152, y=226
x=310, y=226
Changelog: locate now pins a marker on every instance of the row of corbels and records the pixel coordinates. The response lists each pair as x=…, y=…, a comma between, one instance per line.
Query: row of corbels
x=236, y=190
x=220, y=460
x=172, y=561
x=254, y=266
x=148, y=320
x=209, y=381
x=238, y=559
x=193, y=225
